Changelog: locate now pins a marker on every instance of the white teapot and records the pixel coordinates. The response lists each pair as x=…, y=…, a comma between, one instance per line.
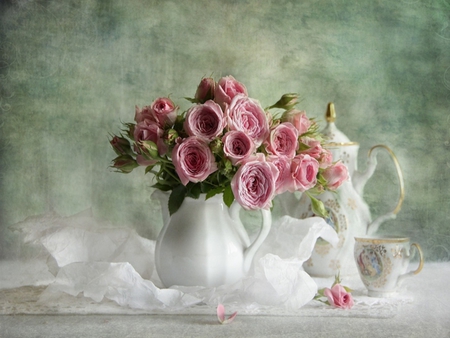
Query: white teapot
x=349, y=214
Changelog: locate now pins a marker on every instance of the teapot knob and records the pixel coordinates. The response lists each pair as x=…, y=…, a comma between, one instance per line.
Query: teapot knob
x=330, y=115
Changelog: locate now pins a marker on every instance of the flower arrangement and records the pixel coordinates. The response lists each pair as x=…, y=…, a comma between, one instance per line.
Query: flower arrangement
x=227, y=143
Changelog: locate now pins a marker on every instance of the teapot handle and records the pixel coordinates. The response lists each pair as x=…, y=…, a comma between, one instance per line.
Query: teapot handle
x=374, y=225
x=252, y=248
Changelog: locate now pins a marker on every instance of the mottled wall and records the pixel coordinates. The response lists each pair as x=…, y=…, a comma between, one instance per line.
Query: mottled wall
x=70, y=71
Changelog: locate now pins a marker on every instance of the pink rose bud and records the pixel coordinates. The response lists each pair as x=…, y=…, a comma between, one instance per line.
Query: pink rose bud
x=120, y=145
x=287, y=101
x=205, y=121
x=325, y=159
x=205, y=90
x=143, y=114
x=339, y=297
x=283, y=140
x=164, y=112
x=311, y=146
x=299, y=119
x=226, y=89
x=335, y=175
x=124, y=164
x=253, y=185
x=304, y=169
x=193, y=160
x=237, y=146
x=245, y=114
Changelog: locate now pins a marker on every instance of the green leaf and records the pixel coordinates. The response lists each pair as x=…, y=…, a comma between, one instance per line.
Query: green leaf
x=176, y=198
x=163, y=187
x=213, y=192
x=228, y=196
x=193, y=190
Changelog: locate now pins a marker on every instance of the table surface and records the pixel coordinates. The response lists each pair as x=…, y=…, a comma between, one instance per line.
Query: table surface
x=427, y=316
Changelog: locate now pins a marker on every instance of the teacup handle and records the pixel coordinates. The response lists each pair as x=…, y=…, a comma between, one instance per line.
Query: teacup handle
x=251, y=249
x=374, y=225
x=419, y=268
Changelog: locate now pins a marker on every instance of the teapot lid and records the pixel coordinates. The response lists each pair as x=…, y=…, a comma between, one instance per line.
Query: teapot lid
x=334, y=136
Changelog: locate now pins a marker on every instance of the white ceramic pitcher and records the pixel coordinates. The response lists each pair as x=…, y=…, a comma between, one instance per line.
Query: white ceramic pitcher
x=205, y=244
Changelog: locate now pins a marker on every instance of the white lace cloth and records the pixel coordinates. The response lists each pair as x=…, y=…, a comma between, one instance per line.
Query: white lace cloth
x=100, y=269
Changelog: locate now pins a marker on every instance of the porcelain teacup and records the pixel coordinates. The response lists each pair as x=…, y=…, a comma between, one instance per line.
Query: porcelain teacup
x=383, y=263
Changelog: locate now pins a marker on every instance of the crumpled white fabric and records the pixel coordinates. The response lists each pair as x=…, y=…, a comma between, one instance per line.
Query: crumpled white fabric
x=100, y=261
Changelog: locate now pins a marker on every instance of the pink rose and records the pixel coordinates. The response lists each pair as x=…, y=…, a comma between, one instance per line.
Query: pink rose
x=205, y=121
x=299, y=119
x=339, y=297
x=314, y=148
x=304, y=169
x=245, y=114
x=325, y=158
x=253, y=184
x=283, y=165
x=164, y=111
x=148, y=130
x=205, y=90
x=283, y=140
x=237, y=146
x=143, y=114
x=335, y=175
x=226, y=89
x=193, y=160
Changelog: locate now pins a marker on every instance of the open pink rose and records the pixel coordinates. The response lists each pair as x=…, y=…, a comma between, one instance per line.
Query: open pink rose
x=245, y=114
x=226, y=89
x=314, y=147
x=339, y=297
x=283, y=165
x=237, y=146
x=205, y=90
x=253, y=184
x=193, y=160
x=149, y=130
x=335, y=175
x=304, y=170
x=283, y=140
x=205, y=121
x=299, y=119
x=164, y=111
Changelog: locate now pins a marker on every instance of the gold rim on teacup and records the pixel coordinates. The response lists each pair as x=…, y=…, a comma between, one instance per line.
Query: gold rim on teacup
x=379, y=240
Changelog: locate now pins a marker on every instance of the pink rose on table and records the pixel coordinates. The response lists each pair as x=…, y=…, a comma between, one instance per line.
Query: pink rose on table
x=339, y=297
x=193, y=160
x=335, y=175
x=283, y=140
x=304, y=169
x=253, y=185
x=245, y=114
x=283, y=165
x=226, y=89
x=299, y=119
x=205, y=121
x=164, y=111
x=237, y=146
x=148, y=130
x=205, y=90
x=314, y=148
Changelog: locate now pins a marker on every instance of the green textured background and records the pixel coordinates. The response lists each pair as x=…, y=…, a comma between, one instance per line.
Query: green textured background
x=70, y=71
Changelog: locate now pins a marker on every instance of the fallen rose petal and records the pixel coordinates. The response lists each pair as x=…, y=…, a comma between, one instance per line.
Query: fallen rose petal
x=221, y=315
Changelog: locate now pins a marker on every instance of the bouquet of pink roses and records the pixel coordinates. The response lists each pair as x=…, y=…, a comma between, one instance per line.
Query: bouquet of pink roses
x=227, y=143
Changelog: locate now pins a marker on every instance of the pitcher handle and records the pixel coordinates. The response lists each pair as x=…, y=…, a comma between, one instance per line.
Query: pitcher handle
x=373, y=226
x=251, y=249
